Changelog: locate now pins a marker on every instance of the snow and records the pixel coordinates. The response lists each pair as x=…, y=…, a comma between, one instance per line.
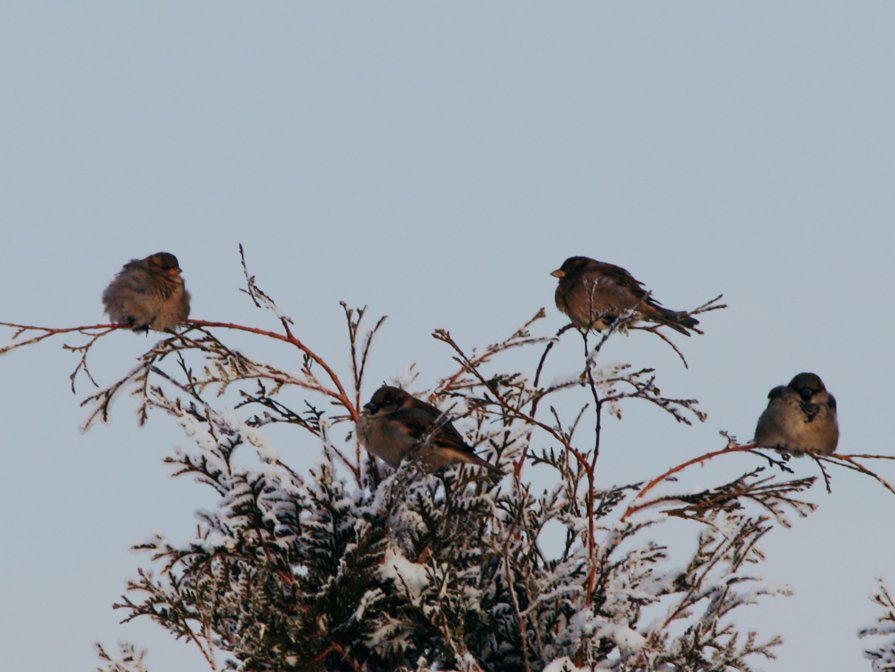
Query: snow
x=567, y=380
x=266, y=452
x=197, y=431
x=403, y=572
x=370, y=597
x=628, y=640
x=564, y=664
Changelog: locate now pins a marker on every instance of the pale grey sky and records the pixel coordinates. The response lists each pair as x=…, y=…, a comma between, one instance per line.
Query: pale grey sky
x=436, y=161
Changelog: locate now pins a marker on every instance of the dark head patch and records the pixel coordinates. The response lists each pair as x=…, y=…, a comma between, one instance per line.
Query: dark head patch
x=806, y=385
x=164, y=261
x=386, y=395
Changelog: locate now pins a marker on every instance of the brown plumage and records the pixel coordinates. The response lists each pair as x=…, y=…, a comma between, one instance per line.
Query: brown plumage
x=800, y=418
x=395, y=425
x=594, y=294
x=148, y=294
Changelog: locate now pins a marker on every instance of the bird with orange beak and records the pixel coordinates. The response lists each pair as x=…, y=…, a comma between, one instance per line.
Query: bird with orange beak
x=595, y=294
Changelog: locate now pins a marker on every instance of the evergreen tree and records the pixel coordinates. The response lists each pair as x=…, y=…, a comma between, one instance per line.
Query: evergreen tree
x=351, y=565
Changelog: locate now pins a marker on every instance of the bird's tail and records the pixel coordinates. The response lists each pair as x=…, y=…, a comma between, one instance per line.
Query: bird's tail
x=676, y=319
x=472, y=458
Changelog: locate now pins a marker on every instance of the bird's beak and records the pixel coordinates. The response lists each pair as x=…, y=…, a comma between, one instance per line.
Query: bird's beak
x=558, y=273
x=174, y=271
x=369, y=407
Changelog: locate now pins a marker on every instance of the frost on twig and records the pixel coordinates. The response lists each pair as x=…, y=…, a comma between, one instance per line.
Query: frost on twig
x=882, y=654
x=129, y=659
x=259, y=297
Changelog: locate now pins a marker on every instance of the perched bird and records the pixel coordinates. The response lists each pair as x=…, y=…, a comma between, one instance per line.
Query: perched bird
x=800, y=418
x=594, y=294
x=394, y=425
x=148, y=293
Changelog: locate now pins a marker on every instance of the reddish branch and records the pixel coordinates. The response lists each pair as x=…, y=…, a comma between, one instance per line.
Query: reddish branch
x=52, y=331
x=288, y=337
x=850, y=462
x=583, y=462
x=696, y=460
x=847, y=461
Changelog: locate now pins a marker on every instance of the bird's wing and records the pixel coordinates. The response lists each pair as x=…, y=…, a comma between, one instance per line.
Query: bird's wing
x=778, y=392
x=621, y=277
x=421, y=423
x=135, y=277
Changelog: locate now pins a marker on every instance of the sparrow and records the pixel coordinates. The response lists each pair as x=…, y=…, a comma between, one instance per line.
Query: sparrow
x=395, y=424
x=594, y=294
x=148, y=293
x=800, y=418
